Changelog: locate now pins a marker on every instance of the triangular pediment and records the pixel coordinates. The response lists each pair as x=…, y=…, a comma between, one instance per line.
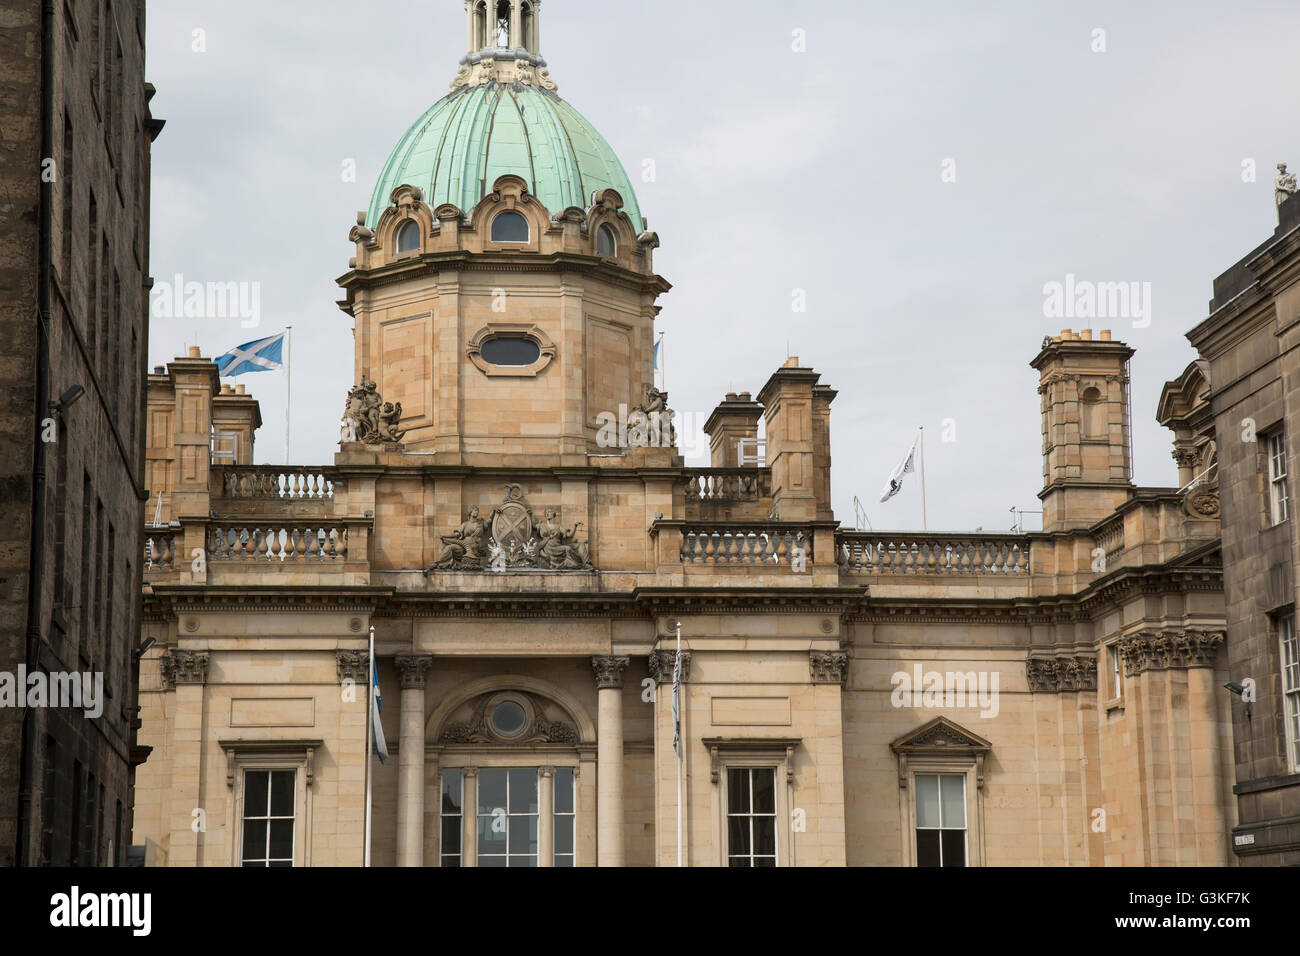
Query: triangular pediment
x=940, y=736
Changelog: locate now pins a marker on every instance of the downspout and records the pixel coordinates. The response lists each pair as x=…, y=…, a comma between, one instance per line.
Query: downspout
x=36, y=567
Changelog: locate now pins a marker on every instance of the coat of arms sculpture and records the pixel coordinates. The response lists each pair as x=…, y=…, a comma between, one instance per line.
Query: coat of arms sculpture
x=511, y=538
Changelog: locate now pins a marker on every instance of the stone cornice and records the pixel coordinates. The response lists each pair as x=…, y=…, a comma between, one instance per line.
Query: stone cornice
x=1056, y=675
x=728, y=600
x=1170, y=648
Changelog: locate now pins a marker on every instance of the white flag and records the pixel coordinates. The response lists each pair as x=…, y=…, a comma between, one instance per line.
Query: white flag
x=905, y=467
x=677, y=703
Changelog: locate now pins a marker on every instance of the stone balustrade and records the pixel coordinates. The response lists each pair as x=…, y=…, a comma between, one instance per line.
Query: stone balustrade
x=242, y=542
x=745, y=543
x=727, y=484
x=274, y=482
x=922, y=553
x=160, y=549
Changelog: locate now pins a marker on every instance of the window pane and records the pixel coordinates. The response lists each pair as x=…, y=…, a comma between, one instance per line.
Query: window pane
x=767, y=861
x=492, y=834
x=491, y=790
x=564, y=791
x=509, y=350
x=737, y=791
x=451, y=791
x=564, y=834
x=737, y=834
x=927, y=847
x=282, y=793
x=954, y=847
x=738, y=861
x=523, y=834
x=764, y=791
x=491, y=861
x=564, y=860
x=927, y=800
x=765, y=835
x=255, y=787
x=451, y=861
x=523, y=791
x=281, y=839
x=451, y=834
x=254, y=839
x=952, y=790
x=523, y=861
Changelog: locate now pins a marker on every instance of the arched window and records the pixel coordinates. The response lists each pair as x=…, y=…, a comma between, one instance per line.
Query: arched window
x=408, y=237
x=509, y=227
x=606, y=244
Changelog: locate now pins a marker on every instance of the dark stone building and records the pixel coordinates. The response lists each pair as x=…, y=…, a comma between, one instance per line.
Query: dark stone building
x=1251, y=342
x=75, y=135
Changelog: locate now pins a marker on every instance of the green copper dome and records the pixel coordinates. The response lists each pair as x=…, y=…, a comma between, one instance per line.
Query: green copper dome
x=466, y=140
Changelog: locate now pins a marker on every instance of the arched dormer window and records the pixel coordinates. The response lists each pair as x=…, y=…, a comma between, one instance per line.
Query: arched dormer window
x=509, y=227
x=408, y=236
x=606, y=244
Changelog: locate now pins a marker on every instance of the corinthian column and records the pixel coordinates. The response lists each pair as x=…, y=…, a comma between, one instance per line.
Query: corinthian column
x=609, y=759
x=410, y=761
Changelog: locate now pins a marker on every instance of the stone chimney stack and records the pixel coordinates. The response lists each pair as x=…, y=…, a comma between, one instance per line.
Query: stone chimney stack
x=236, y=414
x=179, y=435
x=733, y=421
x=1087, y=464
x=797, y=413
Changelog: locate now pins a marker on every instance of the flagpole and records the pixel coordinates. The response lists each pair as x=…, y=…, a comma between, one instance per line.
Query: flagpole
x=288, y=388
x=370, y=716
x=924, y=525
x=681, y=749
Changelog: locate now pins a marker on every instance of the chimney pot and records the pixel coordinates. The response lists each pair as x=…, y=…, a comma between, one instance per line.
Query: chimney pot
x=194, y=352
x=239, y=390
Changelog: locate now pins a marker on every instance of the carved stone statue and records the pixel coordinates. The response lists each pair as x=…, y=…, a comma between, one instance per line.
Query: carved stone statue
x=659, y=418
x=1284, y=187
x=368, y=419
x=466, y=548
x=559, y=550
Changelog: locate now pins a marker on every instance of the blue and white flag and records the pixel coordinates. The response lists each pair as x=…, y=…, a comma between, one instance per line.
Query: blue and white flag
x=264, y=355
x=658, y=345
x=376, y=708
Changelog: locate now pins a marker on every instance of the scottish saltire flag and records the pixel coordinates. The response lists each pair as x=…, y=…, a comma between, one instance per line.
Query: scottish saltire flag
x=677, y=703
x=658, y=367
x=376, y=708
x=264, y=355
x=905, y=467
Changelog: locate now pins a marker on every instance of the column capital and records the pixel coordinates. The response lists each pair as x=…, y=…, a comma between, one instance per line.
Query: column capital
x=661, y=662
x=829, y=667
x=412, y=669
x=470, y=772
x=1170, y=648
x=185, y=667
x=353, y=666
x=609, y=671
x=546, y=771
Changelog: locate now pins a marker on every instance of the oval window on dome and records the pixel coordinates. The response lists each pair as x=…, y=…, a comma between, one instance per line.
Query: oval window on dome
x=408, y=237
x=509, y=227
x=606, y=244
x=510, y=350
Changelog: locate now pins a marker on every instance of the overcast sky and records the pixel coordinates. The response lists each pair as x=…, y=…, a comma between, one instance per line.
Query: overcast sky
x=775, y=170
